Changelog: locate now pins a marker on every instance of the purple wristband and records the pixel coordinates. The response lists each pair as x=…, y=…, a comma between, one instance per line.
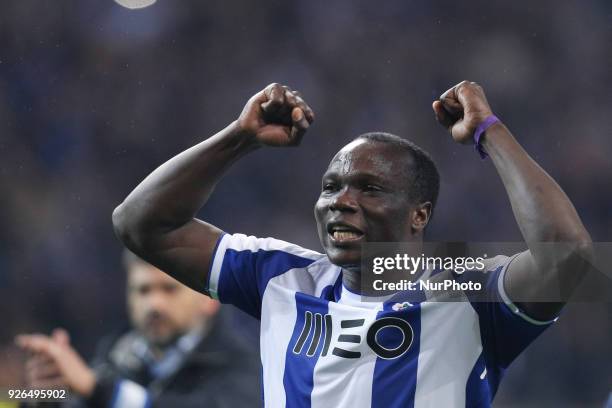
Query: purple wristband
x=490, y=120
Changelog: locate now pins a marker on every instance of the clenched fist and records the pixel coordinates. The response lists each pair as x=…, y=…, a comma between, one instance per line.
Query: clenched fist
x=461, y=109
x=276, y=116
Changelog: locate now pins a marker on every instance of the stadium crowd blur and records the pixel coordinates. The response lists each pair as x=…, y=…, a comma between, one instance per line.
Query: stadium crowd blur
x=94, y=96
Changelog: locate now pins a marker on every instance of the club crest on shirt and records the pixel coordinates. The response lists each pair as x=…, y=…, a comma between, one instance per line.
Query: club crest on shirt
x=401, y=306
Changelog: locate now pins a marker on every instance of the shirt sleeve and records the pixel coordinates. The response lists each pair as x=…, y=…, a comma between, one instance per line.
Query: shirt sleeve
x=505, y=329
x=243, y=265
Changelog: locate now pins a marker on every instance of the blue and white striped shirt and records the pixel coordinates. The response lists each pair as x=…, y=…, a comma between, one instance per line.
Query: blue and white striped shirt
x=323, y=346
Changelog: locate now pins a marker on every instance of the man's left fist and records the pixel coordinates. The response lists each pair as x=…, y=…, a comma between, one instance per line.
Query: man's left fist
x=461, y=109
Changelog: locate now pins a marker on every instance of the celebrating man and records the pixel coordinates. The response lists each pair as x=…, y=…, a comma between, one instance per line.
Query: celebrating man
x=322, y=344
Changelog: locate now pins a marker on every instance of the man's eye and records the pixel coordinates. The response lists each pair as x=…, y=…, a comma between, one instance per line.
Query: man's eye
x=372, y=187
x=170, y=288
x=329, y=187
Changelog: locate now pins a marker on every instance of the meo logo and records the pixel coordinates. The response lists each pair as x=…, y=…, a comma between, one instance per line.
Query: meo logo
x=322, y=327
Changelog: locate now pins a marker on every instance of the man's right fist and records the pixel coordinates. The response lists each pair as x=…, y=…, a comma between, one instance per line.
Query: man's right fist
x=276, y=116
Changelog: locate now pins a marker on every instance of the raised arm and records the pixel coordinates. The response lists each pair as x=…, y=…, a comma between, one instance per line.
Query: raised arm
x=542, y=210
x=157, y=220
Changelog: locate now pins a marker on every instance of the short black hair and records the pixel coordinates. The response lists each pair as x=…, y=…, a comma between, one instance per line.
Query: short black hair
x=425, y=180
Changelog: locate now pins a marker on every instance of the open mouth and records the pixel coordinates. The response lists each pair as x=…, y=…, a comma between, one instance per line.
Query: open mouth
x=341, y=232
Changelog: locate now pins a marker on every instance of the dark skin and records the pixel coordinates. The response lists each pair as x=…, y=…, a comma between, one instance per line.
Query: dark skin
x=542, y=210
x=362, y=196
x=364, y=191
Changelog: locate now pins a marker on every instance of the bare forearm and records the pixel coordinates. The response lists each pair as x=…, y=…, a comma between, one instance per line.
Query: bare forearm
x=560, y=250
x=157, y=220
x=542, y=210
x=172, y=194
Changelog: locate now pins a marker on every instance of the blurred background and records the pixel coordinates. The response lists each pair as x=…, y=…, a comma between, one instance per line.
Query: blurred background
x=94, y=96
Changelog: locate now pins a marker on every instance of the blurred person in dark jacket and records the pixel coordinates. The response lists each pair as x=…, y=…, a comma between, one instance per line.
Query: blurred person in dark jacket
x=179, y=353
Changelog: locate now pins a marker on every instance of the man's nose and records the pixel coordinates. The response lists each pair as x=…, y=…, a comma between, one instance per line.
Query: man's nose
x=156, y=301
x=344, y=200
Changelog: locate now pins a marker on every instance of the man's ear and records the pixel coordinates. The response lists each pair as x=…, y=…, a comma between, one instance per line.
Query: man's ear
x=420, y=216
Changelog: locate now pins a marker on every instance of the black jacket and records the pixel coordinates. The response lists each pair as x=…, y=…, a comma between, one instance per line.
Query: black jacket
x=221, y=371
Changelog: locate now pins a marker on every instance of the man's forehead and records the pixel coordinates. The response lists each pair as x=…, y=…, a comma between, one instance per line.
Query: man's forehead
x=365, y=155
x=352, y=146
x=145, y=274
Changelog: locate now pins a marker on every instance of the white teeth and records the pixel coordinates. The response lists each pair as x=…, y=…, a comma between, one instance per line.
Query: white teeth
x=345, y=235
